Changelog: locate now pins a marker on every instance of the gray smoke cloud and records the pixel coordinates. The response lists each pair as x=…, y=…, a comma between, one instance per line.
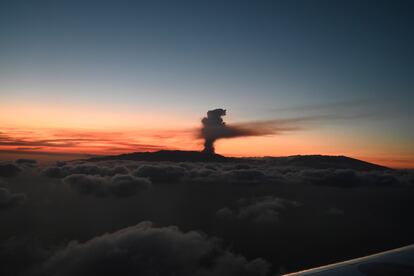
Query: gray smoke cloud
x=214, y=128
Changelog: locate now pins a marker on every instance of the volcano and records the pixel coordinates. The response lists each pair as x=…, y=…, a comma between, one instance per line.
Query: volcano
x=303, y=161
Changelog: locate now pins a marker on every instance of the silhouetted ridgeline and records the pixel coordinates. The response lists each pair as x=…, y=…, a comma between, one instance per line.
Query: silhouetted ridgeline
x=326, y=162
x=167, y=155
x=306, y=161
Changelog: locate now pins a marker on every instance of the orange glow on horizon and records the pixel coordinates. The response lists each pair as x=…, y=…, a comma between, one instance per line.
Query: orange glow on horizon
x=88, y=142
x=84, y=142
x=78, y=129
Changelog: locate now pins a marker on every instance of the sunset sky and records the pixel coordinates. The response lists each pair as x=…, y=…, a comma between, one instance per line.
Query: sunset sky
x=99, y=77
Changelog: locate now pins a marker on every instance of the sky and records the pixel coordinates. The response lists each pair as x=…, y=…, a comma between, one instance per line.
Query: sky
x=107, y=77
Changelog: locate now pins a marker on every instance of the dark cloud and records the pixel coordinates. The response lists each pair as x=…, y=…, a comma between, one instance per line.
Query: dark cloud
x=60, y=163
x=127, y=185
x=118, y=185
x=238, y=174
x=9, y=199
x=335, y=211
x=251, y=205
x=346, y=178
x=21, y=254
x=339, y=178
x=63, y=169
x=26, y=161
x=85, y=169
x=55, y=172
x=161, y=173
x=146, y=250
x=254, y=171
x=383, y=179
x=87, y=184
x=242, y=176
x=9, y=170
x=262, y=210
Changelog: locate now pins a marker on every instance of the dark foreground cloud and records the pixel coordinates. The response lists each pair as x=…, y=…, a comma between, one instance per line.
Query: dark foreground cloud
x=117, y=185
x=62, y=169
x=161, y=173
x=230, y=176
x=346, y=178
x=9, y=170
x=335, y=211
x=19, y=255
x=147, y=251
x=9, y=199
x=262, y=210
x=251, y=172
x=26, y=162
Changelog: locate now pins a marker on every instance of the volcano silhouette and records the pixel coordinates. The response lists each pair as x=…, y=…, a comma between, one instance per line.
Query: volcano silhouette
x=305, y=161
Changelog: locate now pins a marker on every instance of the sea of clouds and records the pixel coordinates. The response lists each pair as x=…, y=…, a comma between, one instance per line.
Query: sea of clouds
x=247, y=217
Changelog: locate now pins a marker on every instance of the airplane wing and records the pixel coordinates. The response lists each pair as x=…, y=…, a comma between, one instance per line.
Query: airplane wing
x=396, y=262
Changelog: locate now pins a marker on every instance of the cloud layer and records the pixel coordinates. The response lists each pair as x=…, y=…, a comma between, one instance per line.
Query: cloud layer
x=241, y=217
x=9, y=199
x=117, y=185
x=262, y=210
x=146, y=250
x=8, y=170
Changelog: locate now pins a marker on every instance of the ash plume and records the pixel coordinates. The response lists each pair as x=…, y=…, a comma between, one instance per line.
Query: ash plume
x=214, y=128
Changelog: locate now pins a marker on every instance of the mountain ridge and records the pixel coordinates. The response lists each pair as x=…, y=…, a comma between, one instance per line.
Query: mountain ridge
x=315, y=161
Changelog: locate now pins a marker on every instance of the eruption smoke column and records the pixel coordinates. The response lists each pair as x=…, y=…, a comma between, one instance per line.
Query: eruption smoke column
x=213, y=125
x=215, y=128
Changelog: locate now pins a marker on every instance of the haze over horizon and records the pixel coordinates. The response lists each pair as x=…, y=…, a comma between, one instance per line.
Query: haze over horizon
x=100, y=77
